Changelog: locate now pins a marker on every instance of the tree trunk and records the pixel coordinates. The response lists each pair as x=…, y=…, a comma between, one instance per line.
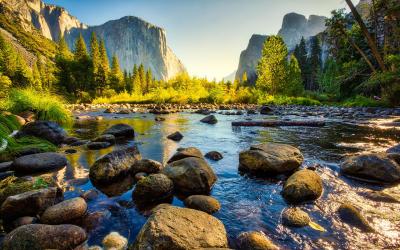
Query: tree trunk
x=367, y=35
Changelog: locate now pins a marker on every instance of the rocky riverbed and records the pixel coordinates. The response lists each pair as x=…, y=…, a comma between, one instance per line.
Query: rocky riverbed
x=329, y=187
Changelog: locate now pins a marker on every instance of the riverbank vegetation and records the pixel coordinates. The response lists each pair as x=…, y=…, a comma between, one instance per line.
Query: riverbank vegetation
x=355, y=62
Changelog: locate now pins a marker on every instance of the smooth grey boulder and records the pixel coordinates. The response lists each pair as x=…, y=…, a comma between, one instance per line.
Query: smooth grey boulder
x=372, y=167
x=98, y=145
x=153, y=188
x=105, y=138
x=49, y=131
x=146, y=166
x=214, y=155
x=64, y=212
x=39, y=163
x=211, y=119
x=121, y=131
x=185, y=153
x=177, y=136
x=270, y=159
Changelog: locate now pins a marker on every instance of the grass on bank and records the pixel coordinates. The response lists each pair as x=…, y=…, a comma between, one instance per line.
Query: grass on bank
x=45, y=105
x=11, y=147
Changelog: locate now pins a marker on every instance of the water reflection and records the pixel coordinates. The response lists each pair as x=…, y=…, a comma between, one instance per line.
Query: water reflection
x=247, y=203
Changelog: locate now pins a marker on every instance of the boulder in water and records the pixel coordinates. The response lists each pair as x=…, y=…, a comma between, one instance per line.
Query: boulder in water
x=211, y=119
x=114, y=165
x=177, y=136
x=171, y=227
x=122, y=131
x=191, y=176
x=153, y=188
x=64, y=212
x=372, y=167
x=146, y=166
x=214, y=155
x=304, y=185
x=270, y=158
x=295, y=217
x=39, y=163
x=255, y=241
x=350, y=215
x=39, y=236
x=185, y=153
x=203, y=203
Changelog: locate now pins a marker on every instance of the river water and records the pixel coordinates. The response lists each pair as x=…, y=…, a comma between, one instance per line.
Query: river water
x=247, y=203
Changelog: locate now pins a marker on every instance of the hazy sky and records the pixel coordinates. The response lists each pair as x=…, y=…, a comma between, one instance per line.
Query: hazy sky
x=207, y=35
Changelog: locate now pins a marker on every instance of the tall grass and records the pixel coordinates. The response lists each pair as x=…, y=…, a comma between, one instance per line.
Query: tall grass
x=45, y=105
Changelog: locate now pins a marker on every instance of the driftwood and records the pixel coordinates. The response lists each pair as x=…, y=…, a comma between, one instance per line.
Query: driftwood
x=274, y=123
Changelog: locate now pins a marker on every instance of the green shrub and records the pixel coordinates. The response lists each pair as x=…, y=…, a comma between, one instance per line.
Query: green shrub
x=45, y=105
x=362, y=101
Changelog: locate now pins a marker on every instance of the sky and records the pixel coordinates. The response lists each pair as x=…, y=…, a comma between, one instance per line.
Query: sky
x=206, y=35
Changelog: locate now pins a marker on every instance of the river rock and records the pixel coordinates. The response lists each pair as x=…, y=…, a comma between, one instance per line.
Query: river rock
x=146, y=166
x=26, y=220
x=265, y=110
x=255, y=241
x=171, y=227
x=214, y=155
x=64, y=212
x=394, y=150
x=114, y=165
x=121, y=131
x=105, y=138
x=115, y=241
x=153, y=188
x=372, y=167
x=38, y=236
x=98, y=145
x=295, y=217
x=50, y=131
x=304, y=185
x=5, y=166
x=185, y=153
x=211, y=119
x=39, y=163
x=191, y=176
x=350, y=215
x=270, y=158
x=203, y=203
x=30, y=203
x=177, y=136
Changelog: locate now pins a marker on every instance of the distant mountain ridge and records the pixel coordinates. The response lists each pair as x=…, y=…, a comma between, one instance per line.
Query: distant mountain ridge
x=131, y=39
x=294, y=27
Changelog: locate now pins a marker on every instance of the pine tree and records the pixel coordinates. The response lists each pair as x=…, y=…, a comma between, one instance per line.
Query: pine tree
x=141, y=78
x=81, y=67
x=96, y=62
x=64, y=63
x=116, y=76
x=272, y=67
x=149, y=81
x=104, y=68
x=36, y=79
x=137, y=86
x=294, y=82
x=80, y=52
x=315, y=63
x=301, y=55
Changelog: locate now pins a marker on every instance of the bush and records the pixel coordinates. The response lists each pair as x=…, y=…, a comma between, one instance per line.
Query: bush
x=362, y=101
x=45, y=105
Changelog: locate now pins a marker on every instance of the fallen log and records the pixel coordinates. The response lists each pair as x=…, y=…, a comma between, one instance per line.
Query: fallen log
x=278, y=123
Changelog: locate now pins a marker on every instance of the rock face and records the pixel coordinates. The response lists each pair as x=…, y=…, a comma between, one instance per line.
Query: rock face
x=294, y=27
x=64, y=212
x=37, y=163
x=30, y=203
x=191, y=176
x=270, y=158
x=134, y=41
x=172, y=227
x=131, y=39
x=49, y=20
x=249, y=58
x=114, y=165
x=304, y=185
x=372, y=167
x=50, y=131
x=38, y=236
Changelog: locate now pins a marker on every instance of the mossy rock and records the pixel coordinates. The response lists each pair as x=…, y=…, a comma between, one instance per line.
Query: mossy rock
x=14, y=185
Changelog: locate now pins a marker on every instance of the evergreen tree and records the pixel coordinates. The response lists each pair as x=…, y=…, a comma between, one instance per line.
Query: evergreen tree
x=137, y=86
x=96, y=61
x=81, y=67
x=22, y=76
x=294, y=85
x=104, y=69
x=116, y=76
x=301, y=55
x=244, y=79
x=272, y=67
x=149, y=81
x=36, y=79
x=315, y=63
x=64, y=63
x=80, y=52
